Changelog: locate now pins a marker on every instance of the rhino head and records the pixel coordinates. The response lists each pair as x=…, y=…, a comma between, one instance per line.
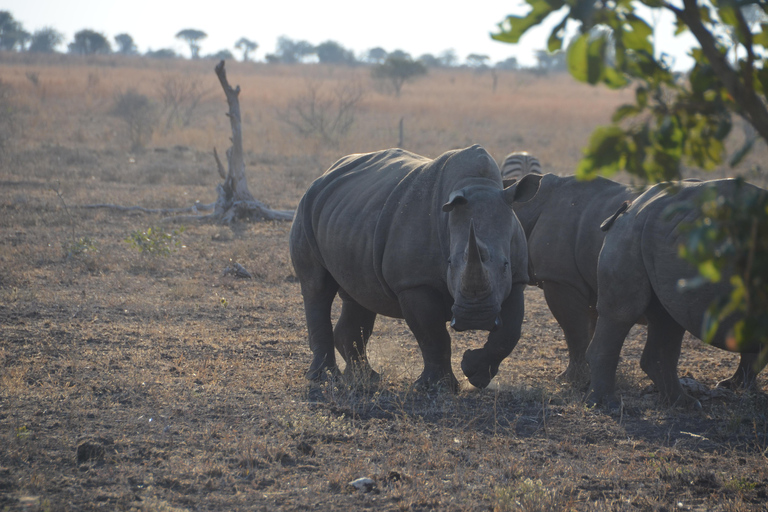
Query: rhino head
x=486, y=242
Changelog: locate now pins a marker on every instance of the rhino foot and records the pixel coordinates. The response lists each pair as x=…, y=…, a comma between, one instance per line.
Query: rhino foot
x=609, y=401
x=577, y=375
x=435, y=379
x=479, y=368
x=322, y=373
x=361, y=374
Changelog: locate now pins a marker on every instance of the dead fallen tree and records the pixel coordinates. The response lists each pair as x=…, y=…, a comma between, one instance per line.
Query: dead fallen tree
x=235, y=201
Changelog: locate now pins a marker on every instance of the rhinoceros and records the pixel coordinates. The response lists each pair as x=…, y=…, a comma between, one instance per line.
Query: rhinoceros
x=562, y=226
x=405, y=236
x=638, y=274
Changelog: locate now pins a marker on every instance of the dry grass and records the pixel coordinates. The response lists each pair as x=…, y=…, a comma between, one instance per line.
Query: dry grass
x=136, y=383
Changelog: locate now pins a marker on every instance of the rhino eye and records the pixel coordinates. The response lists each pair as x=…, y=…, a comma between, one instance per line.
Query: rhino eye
x=506, y=266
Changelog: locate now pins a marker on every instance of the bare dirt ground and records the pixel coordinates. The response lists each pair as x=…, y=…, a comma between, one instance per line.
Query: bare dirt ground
x=138, y=382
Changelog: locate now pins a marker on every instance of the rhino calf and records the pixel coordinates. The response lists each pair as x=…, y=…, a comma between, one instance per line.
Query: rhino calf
x=638, y=274
x=430, y=241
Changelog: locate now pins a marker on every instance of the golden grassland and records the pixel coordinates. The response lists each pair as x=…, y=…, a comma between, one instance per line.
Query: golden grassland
x=138, y=382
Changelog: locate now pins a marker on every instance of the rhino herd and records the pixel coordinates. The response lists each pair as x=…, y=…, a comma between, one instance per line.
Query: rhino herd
x=453, y=240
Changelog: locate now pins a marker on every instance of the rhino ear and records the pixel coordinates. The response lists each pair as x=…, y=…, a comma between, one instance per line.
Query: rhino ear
x=455, y=199
x=523, y=190
x=509, y=182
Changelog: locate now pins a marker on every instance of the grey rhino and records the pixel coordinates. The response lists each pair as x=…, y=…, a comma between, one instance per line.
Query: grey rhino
x=638, y=274
x=562, y=226
x=410, y=237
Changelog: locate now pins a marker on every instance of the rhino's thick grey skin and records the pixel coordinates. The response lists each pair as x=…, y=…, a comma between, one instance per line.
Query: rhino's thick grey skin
x=405, y=236
x=562, y=226
x=638, y=274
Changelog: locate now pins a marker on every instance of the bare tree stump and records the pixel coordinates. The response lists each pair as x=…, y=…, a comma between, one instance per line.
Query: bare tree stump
x=235, y=201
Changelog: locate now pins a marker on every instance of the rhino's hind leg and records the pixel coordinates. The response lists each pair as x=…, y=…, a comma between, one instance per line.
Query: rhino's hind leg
x=481, y=365
x=351, y=335
x=424, y=310
x=319, y=289
x=571, y=310
x=745, y=375
x=603, y=358
x=662, y=353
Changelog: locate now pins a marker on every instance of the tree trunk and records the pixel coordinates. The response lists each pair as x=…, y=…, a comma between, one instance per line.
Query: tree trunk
x=235, y=201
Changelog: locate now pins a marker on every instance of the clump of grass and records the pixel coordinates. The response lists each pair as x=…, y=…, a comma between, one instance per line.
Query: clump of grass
x=154, y=241
x=530, y=496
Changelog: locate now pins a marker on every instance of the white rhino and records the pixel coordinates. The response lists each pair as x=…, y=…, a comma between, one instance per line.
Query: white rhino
x=638, y=274
x=405, y=236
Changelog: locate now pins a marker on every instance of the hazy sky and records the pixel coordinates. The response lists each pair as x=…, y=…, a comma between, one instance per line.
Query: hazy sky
x=415, y=26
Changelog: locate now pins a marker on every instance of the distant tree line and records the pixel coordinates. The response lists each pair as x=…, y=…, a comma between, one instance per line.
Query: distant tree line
x=13, y=37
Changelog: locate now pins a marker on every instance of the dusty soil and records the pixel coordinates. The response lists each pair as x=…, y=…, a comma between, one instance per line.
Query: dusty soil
x=138, y=382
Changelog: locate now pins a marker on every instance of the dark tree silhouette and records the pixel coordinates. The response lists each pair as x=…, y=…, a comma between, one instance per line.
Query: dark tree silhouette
x=331, y=52
x=125, y=44
x=13, y=37
x=477, y=61
x=246, y=46
x=290, y=51
x=89, y=42
x=45, y=40
x=376, y=55
x=396, y=71
x=192, y=36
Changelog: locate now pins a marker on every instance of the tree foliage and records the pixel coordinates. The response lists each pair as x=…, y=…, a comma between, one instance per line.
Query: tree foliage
x=192, y=37
x=246, y=46
x=289, y=51
x=396, y=71
x=89, y=42
x=45, y=40
x=125, y=44
x=13, y=37
x=376, y=55
x=331, y=52
x=676, y=120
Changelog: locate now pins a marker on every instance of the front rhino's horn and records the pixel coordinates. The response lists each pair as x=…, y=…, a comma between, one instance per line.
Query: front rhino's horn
x=475, y=281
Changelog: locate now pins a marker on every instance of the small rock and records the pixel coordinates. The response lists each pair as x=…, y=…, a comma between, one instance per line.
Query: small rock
x=363, y=484
x=237, y=270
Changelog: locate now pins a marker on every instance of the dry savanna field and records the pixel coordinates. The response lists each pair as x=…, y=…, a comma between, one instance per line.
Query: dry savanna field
x=149, y=380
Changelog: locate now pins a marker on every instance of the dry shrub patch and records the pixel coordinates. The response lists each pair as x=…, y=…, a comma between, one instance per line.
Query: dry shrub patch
x=132, y=382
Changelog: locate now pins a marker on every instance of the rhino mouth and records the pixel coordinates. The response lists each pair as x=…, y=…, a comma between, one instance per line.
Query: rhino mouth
x=475, y=320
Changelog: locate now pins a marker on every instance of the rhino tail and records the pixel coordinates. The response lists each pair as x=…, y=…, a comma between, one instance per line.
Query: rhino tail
x=607, y=223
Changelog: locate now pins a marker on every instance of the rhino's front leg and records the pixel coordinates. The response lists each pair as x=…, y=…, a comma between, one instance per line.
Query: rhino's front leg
x=424, y=310
x=481, y=365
